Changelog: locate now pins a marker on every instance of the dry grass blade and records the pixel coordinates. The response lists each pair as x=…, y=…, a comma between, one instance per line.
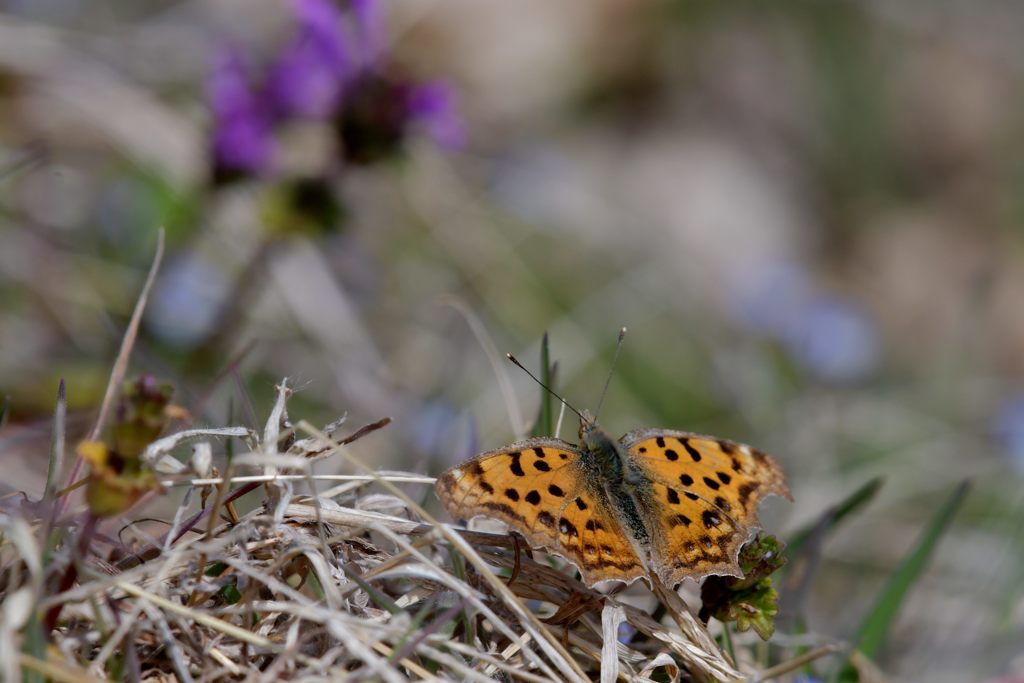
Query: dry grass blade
x=798, y=662
x=57, y=671
x=701, y=651
x=497, y=364
x=121, y=363
x=612, y=616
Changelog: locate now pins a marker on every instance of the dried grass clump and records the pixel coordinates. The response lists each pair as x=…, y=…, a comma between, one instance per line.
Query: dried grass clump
x=357, y=582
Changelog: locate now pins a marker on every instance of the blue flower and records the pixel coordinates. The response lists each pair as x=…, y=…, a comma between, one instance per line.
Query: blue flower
x=1008, y=428
x=829, y=335
x=833, y=338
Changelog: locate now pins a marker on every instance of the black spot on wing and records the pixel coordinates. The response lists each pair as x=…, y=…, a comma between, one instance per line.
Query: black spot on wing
x=694, y=453
x=503, y=509
x=745, y=491
x=533, y=498
x=517, y=467
x=710, y=519
x=680, y=520
x=567, y=527
x=712, y=484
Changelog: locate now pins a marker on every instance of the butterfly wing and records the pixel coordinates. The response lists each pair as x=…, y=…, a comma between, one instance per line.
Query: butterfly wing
x=538, y=488
x=703, y=500
x=594, y=540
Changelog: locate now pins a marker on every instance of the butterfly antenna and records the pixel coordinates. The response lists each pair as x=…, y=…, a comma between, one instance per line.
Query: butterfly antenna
x=549, y=389
x=615, y=359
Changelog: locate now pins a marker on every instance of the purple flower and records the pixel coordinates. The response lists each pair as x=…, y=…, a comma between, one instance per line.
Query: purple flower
x=369, y=32
x=308, y=78
x=432, y=105
x=243, y=125
x=333, y=68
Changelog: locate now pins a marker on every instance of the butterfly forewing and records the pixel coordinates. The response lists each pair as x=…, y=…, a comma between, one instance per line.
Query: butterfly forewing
x=537, y=487
x=734, y=476
x=523, y=485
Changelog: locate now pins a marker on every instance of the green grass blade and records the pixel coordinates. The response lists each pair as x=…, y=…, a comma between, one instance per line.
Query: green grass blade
x=56, y=463
x=835, y=514
x=545, y=426
x=875, y=627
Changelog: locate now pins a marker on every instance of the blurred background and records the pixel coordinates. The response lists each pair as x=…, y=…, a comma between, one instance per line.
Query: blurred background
x=808, y=214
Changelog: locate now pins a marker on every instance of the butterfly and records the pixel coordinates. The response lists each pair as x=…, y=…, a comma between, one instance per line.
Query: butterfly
x=657, y=501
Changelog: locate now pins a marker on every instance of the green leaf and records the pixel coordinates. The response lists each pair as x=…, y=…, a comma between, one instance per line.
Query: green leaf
x=750, y=600
x=545, y=424
x=215, y=569
x=875, y=627
x=56, y=461
x=229, y=593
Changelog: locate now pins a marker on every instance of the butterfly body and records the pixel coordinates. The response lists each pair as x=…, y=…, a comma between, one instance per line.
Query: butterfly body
x=613, y=476
x=655, y=501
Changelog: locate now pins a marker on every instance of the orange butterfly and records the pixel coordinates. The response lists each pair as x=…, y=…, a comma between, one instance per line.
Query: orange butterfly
x=671, y=503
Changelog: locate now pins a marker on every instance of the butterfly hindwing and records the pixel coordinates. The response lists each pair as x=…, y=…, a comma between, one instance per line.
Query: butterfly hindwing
x=690, y=536
x=592, y=538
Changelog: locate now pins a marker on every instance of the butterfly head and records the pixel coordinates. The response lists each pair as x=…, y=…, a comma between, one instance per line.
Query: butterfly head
x=601, y=449
x=587, y=425
x=592, y=436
